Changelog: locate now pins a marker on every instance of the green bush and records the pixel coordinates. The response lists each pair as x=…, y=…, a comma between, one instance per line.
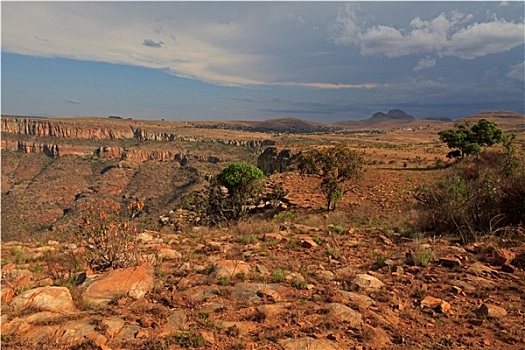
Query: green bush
x=232, y=191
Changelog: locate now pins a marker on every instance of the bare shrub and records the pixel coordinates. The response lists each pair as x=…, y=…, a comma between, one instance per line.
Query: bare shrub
x=108, y=237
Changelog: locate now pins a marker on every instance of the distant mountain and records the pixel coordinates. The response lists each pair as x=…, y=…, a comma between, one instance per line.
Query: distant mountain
x=394, y=114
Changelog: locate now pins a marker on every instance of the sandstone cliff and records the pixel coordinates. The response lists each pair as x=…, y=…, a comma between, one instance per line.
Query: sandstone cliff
x=49, y=128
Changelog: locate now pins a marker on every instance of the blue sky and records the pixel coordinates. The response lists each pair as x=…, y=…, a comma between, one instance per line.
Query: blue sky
x=324, y=61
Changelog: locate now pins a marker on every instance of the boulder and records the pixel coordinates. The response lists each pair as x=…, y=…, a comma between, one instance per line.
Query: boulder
x=132, y=282
x=53, y=299
x=367, y=282
x=343, y=313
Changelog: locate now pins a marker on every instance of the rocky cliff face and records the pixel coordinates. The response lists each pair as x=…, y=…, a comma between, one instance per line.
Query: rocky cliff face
x=146, y=135
x=48, y=128
x=52, y=150
x=72, y=130
x=272, y=160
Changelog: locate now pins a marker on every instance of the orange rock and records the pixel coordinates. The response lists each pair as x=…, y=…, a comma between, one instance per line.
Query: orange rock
x=134, y=282
x=503, y=256
x=54, y=299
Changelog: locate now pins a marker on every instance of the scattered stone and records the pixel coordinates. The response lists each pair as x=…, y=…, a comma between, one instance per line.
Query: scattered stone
x=308, y=243
x=269, y=295
x=436, y=304
x=491, y=311
x=132, y=282
x=16, y=278
x=343, y=313
x=309, y=343
x=376, y=338
x=230, y=268
x=239, y=328
x=270, y=311
x=508, y=268
x=53, y=299
x=169, y=254
x=175, y=322
x=478, y=268
x=74, y=332
x=450, y=261
x=367, y=282
x=465, y=286
x=248, y=291
x=503, y=256
x=324, y=276
x=262, y=270
x=359, y=300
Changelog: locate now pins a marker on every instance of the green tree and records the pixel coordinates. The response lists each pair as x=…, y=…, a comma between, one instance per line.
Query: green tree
x=336, y=166
x=233, y=189
x=469, y=139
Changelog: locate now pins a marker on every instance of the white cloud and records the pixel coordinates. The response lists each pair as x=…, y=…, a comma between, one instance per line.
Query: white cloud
x=425, y=63
x=442, y=35
x=224, y=48
x=517, y=72
x=482, y=39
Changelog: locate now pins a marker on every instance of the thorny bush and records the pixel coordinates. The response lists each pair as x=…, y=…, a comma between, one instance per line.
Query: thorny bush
x=109, y=237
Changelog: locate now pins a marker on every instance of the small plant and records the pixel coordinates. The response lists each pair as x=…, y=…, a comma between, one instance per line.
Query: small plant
x=421, y=256
x=224, y=281
x=333, y=252
x=337, y=229
x=278, y=275
x=246, y=239
x=189, y=339
x=108, y=239
x=318, y=240
x=380, y=260
x=299, y=284
x=284, y=216
x=293, y=242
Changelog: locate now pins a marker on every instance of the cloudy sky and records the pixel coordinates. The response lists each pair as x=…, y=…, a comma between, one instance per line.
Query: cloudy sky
x=324, y=61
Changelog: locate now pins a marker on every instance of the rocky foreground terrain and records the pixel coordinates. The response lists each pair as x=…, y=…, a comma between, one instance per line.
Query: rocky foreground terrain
x=271, y=285
x=291, y=278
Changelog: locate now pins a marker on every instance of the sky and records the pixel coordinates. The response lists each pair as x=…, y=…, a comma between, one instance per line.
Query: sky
x=319, y=61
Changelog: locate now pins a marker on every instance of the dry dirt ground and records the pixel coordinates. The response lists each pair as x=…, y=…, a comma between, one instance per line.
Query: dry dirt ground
x=303, y=279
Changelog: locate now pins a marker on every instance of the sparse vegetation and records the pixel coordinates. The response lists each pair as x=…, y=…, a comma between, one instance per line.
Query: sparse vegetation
x=288, y=288
x=474, y=199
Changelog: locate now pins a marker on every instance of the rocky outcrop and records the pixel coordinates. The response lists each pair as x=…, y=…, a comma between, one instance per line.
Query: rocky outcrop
x=272, y=160
x=109, y=152
x=52, y=150
x=51, y=128
x=146, y=135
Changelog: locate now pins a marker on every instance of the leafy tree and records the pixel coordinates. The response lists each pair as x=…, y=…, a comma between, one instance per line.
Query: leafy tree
x=335, y=166
x=469, y=139
x=236, y=186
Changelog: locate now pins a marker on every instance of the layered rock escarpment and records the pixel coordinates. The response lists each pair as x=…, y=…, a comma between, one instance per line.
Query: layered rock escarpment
x=76, y=130
x=48, y=128
x=55, y=138
x=52, y=150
